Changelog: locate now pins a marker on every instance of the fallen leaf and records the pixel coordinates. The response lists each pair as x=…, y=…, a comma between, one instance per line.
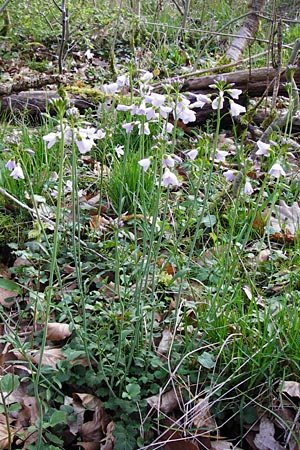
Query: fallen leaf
x=7, y=298
x=201, y=416
x=292, y=388
x=50, y=356
x=286, y=218
x=265, y=440
x=89, y=445
x=164, y=403
x=165, y=343
x=58, y=331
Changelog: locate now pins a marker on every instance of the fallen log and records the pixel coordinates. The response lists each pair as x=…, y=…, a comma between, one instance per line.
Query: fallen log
x=254, y=83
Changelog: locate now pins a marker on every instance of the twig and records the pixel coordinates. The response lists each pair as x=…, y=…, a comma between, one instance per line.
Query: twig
x=2, y=8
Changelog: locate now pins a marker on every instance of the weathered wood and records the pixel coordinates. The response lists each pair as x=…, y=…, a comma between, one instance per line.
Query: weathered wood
x=34, y=103
x=253, y=83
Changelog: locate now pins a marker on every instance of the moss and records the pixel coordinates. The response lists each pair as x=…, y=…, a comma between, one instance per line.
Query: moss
x=12, y=228
x=91, y=94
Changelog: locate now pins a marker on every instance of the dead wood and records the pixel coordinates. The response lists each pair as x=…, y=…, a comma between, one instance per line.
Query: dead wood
x=246, y=32
x=30, y=82
x=34, y=103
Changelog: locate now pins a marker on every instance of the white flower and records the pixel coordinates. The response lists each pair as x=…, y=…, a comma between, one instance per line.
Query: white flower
x=168, y=161
x=145, y=163
x=111, y=88
x=276, y=170
x=151, y=114
x=125, y=107
x=51, y=138
x=234, y=93
x=263, y=148
x=201, y=100
x=236, y=109
x=122, y=81
x=119, y=150
x=218, y=102
x=156, y=100
x=128, y=127
x=84, y=145
x=221, y=155
x=192, y=154
x=17, y=172
x=183, y=111
x=143, y=128
x=30, y=151
x=147, y=76
x=229, y=175
x=11, y=164
x=88, y=54
x=248, y=189
x=169, y=178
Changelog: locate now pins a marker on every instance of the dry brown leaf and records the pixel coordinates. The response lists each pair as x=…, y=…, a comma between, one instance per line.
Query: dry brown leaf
x=164, y=403
x=201, y=416
x=58, y=331
x=50, y=356
x=5, y=295
x=95, y=429
x=4, y=436
x=89, y=445
x=165, y=343
x=265, y=440
x=286, y=218
x=292, y=388
x=109, y=440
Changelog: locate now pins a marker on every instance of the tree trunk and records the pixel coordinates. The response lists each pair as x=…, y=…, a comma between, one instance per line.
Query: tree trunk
x=247, y=31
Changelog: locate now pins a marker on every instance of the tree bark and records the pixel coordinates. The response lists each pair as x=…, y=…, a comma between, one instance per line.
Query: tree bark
x=247, y=31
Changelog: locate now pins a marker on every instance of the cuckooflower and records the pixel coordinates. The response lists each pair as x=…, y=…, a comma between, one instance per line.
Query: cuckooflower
x=229, y=175
x=248, y=189
x=143, y=128
x=201, y=100
x=17, y=173
x=218, y=102
x=276, y=170
x=168, y=161
x=11, y=164
x=192, y=154
x=236, y=109
x=119, y=150
x=147, y=76
x=221, y=155
x=51, y=138
x=263, y=148
x=128, y=127
x=234, y=93
x=169, y=178
x=145, y=163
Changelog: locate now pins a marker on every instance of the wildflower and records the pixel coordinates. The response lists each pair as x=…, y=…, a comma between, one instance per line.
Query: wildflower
x=169, y=178
x=119, y=150
x=276, y=170
x=17, y=172
x=248, y=189
x=11, y=164
x=184, y=113
x=263, y=149
x=145, y=163
x=84, y=138
x=147, y=76
x=88, y=54
x=156, y=100
x=168, y=161
x=236, y=109
x=73, y=112
x=30, y=151
x=218, y=102
x=51, y=138
x=192, y=154
x=201, y=100
x=124, y=107
x=221, y=155
x=110, y=88
x=128, y=127
x=122, y=81
x=151, y=114
x=164, y=111
x=143, y=128
x=229, y=175
x=234, y=93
